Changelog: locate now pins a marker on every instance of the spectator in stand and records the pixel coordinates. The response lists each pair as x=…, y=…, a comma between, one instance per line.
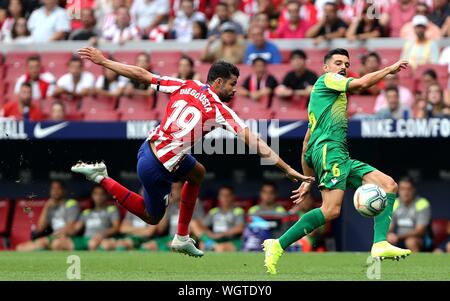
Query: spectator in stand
x=57, y=111
x=260, y=47
x=43, y=83
x=299, y=81
x=308, y=13
x=371, y=62
x=77, y=83
x=364, y=26
x=262, y=20
x=405, y=95
x=295, y=27
x=148, y=14
x=343, y=7
x=135, y=231
x=394, y=109
x=49, y=23
x=444, y=59
x=138, y=88
x=19, y=33
x=440, y=13
x=434, y=103
x=398, y=14
x=87, y=31
x=186, y=69
x=13, y=14
x=445, y=30
x=260, y=83
x=422, y=50
x=223, y=224
x=167, y=227
x=122, y=30
x=232, y=14
x=99, y=225
x=74, y=8
x=445, y=245
x=23, y=108
x=28, y=6
x=58, y=219
x=223, y=15
x=107, y=13
x=411, y=219
x=267, y=202
x=432, y=31
x=229, y=48
x=182, y=24
x=110, y=84
x=199, y=30
x=329, y=27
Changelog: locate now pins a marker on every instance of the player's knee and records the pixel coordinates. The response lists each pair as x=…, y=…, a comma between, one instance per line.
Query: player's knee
x=448, y=247
x=153, y=220
x=331, y=212
x=198, y=176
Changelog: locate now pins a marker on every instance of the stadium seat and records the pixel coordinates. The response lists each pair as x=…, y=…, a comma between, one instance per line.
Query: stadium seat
x=315, y=56
x=287, y=204
x=126, y=57
x=25, y=218
x=74, y=116
x=361, y=104
x=55, y=62
x=203, y=70
x=240, y=103
x=160, y=59
x=139, y=115
x=285, y=54
x=284, y=105
x=9, y=91
x=439, y=228
x=441, y=71
x=389, y=55
x=253, y=113
x=208, y=204
x=99, y=103
x=244, y=72
x=135, y=103
x=195, y=55
x=5, y=206
x=244, y=203
x=2, y=244
x=93, y=115
x=279, y=71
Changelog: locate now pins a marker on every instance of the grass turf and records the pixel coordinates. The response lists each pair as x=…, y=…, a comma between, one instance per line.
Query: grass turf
x=213, y=266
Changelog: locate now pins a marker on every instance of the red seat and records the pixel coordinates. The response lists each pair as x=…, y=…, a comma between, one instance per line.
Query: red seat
x=315, y=56
x=135, y=103
x=70, y=105
x=101, y=116
x=286, y=204
x=253, y=113
x=160, y=59
x=55, y=62
x=5, y=206
x=25, y=218
x=244, y=72
x=74, y=116
x=389, y=55
x=207, y=204
x=85, y=204
x=9, y=91
x=244, y=204
x=203, y=71
x=99, y=103
x=279, y=71
x=293, y=109
x=139, y=115
x=285, y=55
x=441, y=71
x=2, y=244
x=195, y=55
x=244, y=103
x=126, y=57
x=439, y=228
x=291, y=114
x=361, y=104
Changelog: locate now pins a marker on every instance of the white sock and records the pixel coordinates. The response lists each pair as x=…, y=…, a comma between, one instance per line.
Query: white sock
x=181, y=237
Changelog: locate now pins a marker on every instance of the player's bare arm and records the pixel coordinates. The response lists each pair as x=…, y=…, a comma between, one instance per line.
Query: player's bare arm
x=129, y=71
x=373, y=78
x=263, y=150
x=300, y=193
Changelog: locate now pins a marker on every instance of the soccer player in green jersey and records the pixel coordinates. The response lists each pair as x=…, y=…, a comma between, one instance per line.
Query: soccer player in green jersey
x=325, y=152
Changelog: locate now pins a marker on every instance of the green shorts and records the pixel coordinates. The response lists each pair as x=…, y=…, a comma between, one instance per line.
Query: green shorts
x=334, y=167
x=80, y=242
x=137, y=240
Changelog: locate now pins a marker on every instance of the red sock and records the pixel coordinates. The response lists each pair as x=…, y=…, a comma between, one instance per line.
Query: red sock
x=132, y=201
x=189, y=195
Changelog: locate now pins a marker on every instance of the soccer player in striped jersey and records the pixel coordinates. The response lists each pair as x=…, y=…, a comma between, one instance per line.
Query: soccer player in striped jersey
x=194, y=109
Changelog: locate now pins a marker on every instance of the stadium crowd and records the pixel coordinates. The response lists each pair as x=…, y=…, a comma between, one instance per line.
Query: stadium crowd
x=224, y=224
x=236, y=31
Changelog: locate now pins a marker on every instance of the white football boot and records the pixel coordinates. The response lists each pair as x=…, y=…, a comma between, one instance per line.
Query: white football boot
x=185, y=245
x=94, y=172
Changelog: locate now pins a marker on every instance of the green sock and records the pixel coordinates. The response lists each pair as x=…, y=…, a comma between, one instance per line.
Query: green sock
x=121, y=248
x=383, y=220
x=307, y=223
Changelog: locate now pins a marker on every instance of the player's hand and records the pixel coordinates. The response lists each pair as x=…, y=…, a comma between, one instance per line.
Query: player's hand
x=92, y=54
x=300, y=194
x=295, y=176
x=400, y=65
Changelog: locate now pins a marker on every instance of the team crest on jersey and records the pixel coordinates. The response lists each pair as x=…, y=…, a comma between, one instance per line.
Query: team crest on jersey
x=334, y=181
x=338, y=76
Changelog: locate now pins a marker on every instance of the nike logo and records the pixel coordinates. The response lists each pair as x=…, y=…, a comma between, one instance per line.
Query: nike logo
x=40, y=133
x=275, y=131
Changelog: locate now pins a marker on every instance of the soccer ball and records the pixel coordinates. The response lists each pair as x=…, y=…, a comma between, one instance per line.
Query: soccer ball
x=369, y=200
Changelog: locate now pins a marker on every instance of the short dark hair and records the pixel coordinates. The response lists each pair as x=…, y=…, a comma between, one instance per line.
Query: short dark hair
x=258, y=59
x=371, y=54
x=340, y=51
x=408, y=179
x=431, y=73
x=228, y=187
x=222, y=3
x=75, y=59
x=60, y=182
x=187, y=58
x=298, y=52
x=34, y=58
x=332, y=4
x=221, y=69
x=391, y=88
x=26, y=84
x=98, y=186
x=270, y=183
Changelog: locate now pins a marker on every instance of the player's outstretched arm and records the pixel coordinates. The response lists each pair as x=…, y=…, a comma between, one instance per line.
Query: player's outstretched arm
x=300, y=194
x=130, y=71
x=264, y=151
x=373, y=78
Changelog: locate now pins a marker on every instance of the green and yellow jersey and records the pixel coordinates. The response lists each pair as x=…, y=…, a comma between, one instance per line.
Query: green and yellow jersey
x=327, y=110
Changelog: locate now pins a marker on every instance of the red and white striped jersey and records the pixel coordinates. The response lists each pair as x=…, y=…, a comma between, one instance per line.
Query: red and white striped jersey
x=192, y=111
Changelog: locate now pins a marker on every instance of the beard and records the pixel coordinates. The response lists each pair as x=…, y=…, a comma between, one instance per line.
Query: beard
x=225, y=97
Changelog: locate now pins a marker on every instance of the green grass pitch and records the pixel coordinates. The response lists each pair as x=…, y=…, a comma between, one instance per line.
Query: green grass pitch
x=215, y=266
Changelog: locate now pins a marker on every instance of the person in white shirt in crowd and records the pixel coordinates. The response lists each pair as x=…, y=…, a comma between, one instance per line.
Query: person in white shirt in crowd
x=19, y=33
x=14, y=13
x=182, y=24
x=106, y=11
x=49, y=23
x=110, y=84
x=42, y=83
x=394, y=109
x=405, y=95
x=444, y=59
x=76, y=83
x=122, y=30
x=148, y=14
x=236, y=15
